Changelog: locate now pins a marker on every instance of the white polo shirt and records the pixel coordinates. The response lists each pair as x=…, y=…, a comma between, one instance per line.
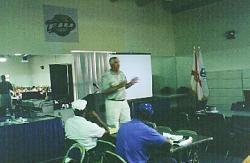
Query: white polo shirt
x=83, y=131
x=110, y=78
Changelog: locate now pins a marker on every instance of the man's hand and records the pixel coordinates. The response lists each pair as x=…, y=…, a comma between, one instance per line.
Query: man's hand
x=134, y=80
x=170, y=141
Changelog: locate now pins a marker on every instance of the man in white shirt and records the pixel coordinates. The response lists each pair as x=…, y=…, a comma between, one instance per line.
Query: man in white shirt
x=79, y=129
x=114, y=84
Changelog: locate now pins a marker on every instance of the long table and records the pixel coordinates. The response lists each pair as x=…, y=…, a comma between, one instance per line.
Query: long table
x=226, y=113
x=237, y=113
x=197, y=140
x=178, y=151
x=36, y=140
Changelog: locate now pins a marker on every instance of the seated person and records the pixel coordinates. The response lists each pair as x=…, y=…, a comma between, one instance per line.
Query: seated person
x=82, y=131
x=135, y=138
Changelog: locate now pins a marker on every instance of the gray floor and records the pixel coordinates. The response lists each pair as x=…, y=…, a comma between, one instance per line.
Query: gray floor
x=213, y=158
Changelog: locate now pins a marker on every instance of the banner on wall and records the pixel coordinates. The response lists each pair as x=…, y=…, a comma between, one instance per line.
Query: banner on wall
x=60, y=24
x=199, y=78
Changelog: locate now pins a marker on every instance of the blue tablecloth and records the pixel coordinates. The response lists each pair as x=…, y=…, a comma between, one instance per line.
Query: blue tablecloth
x=38, y=140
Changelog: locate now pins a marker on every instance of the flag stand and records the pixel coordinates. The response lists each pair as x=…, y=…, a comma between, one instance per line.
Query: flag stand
x=198, y=81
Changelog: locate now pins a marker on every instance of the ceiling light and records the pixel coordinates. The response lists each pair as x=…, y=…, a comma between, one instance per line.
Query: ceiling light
x=24, y=61
x=88, y=51
x=18, y=54
x=25, y=58
x=3, y=59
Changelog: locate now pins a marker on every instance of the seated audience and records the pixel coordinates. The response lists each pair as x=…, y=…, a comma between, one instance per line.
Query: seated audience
x=135, y=139
x=79, y=129
x=33, y=89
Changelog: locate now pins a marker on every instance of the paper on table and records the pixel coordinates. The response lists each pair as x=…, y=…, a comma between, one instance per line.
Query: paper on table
x=179, y=139
x=21, y=120
x=173, y=137
x=186, y=142
x=213, y=111
x=112, y=130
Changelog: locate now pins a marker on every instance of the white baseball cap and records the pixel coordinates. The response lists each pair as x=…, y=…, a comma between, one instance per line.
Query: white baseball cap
x=79, y=104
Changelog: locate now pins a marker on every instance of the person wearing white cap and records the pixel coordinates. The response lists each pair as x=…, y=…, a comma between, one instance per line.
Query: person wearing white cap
x=80, y=130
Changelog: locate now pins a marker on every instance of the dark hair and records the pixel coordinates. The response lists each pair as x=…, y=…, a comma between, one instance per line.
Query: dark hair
x=90, y=105
x=111, y=59
x=79, y=112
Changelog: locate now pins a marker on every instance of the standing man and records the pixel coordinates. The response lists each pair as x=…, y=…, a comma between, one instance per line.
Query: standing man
x=114, y=84
x=5, y=88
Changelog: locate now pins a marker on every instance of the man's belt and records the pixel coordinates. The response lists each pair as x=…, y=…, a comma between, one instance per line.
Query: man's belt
x=116, y=100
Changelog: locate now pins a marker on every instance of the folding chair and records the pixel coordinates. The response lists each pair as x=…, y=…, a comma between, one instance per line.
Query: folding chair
x=162, y=129
x=72, y=151
x=193, y=152
x=103, y=146
x=111, y=157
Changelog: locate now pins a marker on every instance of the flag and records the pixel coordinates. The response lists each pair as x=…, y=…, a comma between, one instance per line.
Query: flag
x=198, y=76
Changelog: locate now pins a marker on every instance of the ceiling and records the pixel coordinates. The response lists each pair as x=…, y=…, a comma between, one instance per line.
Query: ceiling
x=182, y=5
x=175, y=5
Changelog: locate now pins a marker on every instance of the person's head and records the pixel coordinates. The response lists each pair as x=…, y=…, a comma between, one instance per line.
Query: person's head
x=144, y=111
x=114, y=64
x=79, y=107
x=3, y=77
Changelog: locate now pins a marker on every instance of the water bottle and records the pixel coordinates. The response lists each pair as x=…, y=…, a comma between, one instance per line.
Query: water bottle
x=63, y=106
x=7, y=112
x=13, y=116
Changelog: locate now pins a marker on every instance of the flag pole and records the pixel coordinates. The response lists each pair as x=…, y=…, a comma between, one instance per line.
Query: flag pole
x=198, y=103
x=198, y=80
x=196, y=68
x=196, y=85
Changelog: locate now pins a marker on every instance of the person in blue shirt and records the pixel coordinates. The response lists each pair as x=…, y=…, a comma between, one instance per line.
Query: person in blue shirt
x=135, y=139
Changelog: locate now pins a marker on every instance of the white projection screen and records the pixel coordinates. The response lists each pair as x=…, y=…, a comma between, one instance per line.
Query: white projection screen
x=137, y=65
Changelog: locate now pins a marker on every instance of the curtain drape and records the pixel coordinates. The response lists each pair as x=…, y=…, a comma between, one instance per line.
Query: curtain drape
x=88, y=70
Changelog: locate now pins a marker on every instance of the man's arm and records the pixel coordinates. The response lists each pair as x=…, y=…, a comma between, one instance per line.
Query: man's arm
x=97, y=131
x=100, y=120
x=112, y=89
x=156, y=139
x=164, y=148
